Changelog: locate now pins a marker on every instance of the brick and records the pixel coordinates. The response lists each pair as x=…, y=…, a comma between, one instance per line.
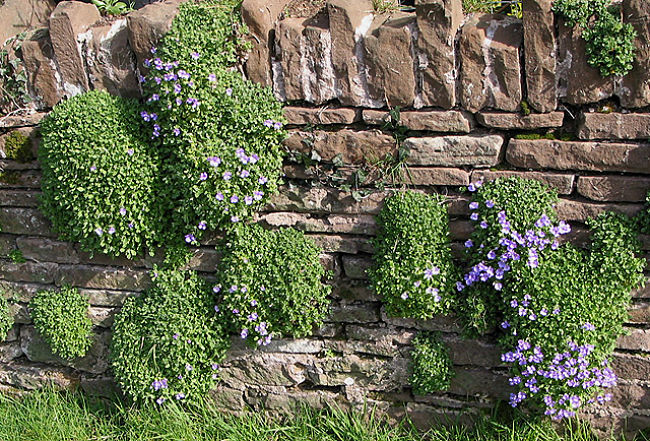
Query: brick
x=323, y=115
x=43, y=249
x=571, y=155
x=431, y=121
x=35, y=272
x=356, y=267
x=24, y=221
x=437, y=176
x=570, y=210
x=614, y=126
x=562, y=182
x=97, y=277
x=335, y=223
x=20, y=179
x=614, y=188
x=518, y=121
x=355, y=147
x=637, y=340
x=19, y=198
x=451, y=151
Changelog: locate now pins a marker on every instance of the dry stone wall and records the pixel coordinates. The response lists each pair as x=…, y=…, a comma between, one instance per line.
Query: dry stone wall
x=460, y=81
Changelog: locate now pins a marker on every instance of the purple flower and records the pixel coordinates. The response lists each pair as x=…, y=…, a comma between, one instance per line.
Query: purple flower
x=188, y=367
x=212, y=77
x=473, y=205
x=430, y=272
x=180, y=396
x=184, y=75
x=177, y=89
x=227, y=176
x=153, y=50
x=262, y=180
x=160, y=400
x=123, y=211
x=252, y=317
x=483, y=225
x=257, y=195
x=229, y=91
x=244, y=333
x=234, y=199
x=489, y=203
x=216, y=308
x=176, y=131
x=234, y=219
x=214, y=161
x=203, y=176
x=244, y=174
x=505, y=325
x=195, y=55
x=111, y=230
x=202, y=225
x=189, y=238
x=404, y=296
x=589, y=327
x=268, y=123
x=277, y=125
x=129, y=152
x=248, y=200
x=469, y=243
x=99, y=231
x=219, y=196
x=473, y=216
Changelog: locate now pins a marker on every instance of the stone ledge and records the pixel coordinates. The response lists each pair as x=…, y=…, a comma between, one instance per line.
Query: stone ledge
x=614, y=126
x=562, y=182
x=614, y=188
x=324, y=115
x=450, y=151
x=517, y=121
x=430, y=121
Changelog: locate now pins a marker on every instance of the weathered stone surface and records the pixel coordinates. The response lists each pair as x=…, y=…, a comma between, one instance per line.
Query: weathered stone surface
x=264, y=369
x=20, y=313
x=304, y=69
x=562, y=182
x=472, y=352
x=389, y=61
x=29, y=132
x=20, y=291
x=432, y=121
x=614, y=188
x=102, y=317
x=37, y=272
x=377, y=340
x=280, y=403
x=18, y=16
x=639, y=313
x=21, y=120
x=24, y=221
x=106, y=298
x=36, y=376
x=352, y=370
x=19, y=198
x=354, y=147
x=147, y=25
x=11, y=165
x=479, y=382
x=227, y=398
x=41, y=69
x=475, y=150
x=99, y=386
x=354, y=313
x=324, y=115
x=637, y=340
x=7, y=243
x=490, y=47
x=437, y=176
x=336, y=223
x=614, y=126
x=437, y=22
x=102, y=277
x=570, y=155
x=349, y=289
x=260, y=17
x=356, y=267
x=631, y=367
x=349, y=21
x=518, y=121
x=324, y=200
x=581, y=211
x=426, y=417
x=42, y=249
x=579, y=83
x=342, y=244
x=68, y=25
x=540, y=54
x=111, y=62
x=635, y=90
x=10, y=351
x=24, y=179
x=37, y=350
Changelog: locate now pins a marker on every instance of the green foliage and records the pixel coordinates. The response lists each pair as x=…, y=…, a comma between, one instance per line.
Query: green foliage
x=643, y=218
x=413, y=271
x=13, y=78
x=61, y=318
x=610, y=43
x=113, y=7
x=269, y=284
x=16, y=256
x=524, y=201
x=18, y=147
x=99, y=175
x=220, y=135
x=167, y=343
x=511, y=7
x=432, y=369
x=6, y=318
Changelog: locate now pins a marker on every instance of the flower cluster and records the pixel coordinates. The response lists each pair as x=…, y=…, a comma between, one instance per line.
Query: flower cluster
x=563, y=383
x=252, y=327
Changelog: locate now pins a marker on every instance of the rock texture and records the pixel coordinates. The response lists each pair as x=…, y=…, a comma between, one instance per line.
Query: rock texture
x=491, y=73
x=42, y=72
x=635, y=91
x=18, y=16
x=614, y=126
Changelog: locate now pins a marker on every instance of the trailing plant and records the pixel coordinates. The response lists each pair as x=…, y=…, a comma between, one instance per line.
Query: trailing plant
x=432, y=369
x=560, y=308
x=113, y=7
x=219, y=134
x=100, y=175
x=413, y=270
x=61, y=318
x=6, y=317
x=610, y=42
x=167, y=343
x=269, y=284
x=18, y=147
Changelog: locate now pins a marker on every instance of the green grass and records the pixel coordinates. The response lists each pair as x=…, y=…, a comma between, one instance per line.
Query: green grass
x=53, y=416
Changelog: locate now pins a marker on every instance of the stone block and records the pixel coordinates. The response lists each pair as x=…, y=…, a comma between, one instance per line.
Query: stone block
x=635, y=90
x=19, y=198
x=431, y=121
x=490, y=49
x=35, y=272
x=354, y=313
x=571, y=155
x=630, y=366
x=324, y=200
x=106, y=298
x=562, y=182
x=540, y=46
x=356, y=267
x=97, y=277
x=437, y=176
x=43, y=249
x=437, y=22
x=452, y=151
x=42, y=72
x=102, y=317
x=636, y=340
x=24, y=221
x=20, y=179
x=518, y=121
x=614, y=126
x=10, y=351
x=324, y=115
x=17, y=16
x=34, y=376
x=389, y=61
x=336, y=223
x=479, y=382
x=354, y=147
x=614, y=188
x=68, y=26
x=570, y=210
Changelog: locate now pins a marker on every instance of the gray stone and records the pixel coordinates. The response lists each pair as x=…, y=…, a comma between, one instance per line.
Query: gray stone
x=36, y=272
x=43, y=249
x=335, y=223
x=323, y=115
x=432, y=121
x=36, y=376
x=19, y=198
x=102, y=277
x=614, y=188
x=475, y=150
x=635, y=90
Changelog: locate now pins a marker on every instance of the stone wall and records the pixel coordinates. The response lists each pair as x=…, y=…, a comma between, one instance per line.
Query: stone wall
x=460, y=81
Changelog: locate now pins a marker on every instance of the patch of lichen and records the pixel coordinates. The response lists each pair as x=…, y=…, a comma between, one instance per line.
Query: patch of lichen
x=18, y=147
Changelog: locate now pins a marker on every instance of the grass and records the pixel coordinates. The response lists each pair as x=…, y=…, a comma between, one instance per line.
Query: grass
x=54, y=416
